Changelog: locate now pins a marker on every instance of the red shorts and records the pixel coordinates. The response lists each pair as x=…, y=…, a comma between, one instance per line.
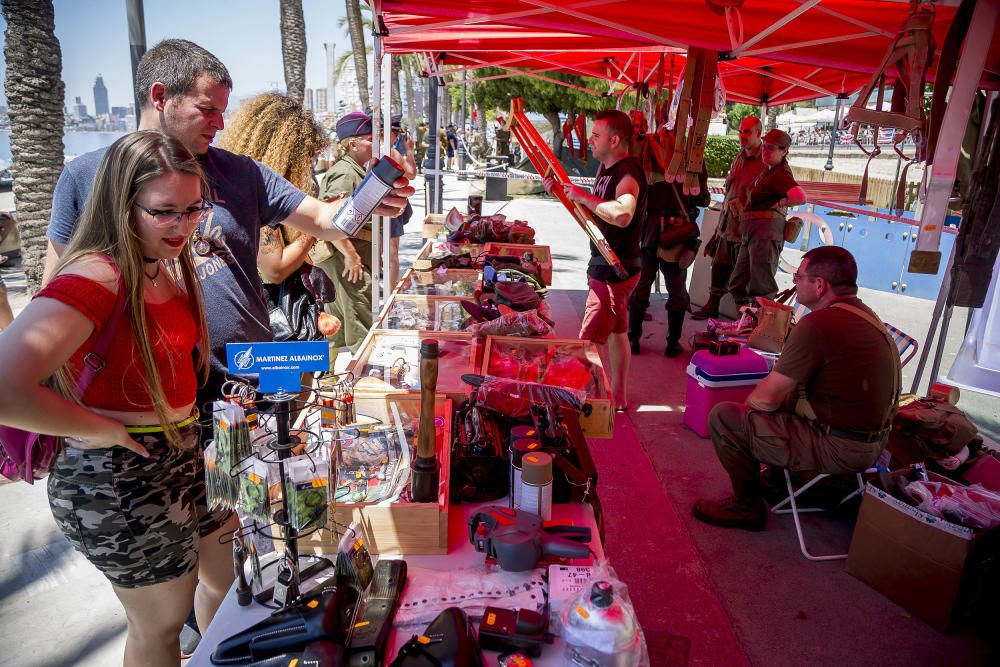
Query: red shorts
x=607, y=309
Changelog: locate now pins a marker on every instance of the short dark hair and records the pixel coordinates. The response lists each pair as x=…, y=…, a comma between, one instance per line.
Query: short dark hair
x=177, y=64
x=618, y=123
x=835, y=265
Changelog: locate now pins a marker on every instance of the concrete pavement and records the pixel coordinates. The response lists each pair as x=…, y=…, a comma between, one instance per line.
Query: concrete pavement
x=705, y=596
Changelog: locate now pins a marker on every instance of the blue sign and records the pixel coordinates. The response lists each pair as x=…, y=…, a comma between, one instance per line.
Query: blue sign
x=278, y=365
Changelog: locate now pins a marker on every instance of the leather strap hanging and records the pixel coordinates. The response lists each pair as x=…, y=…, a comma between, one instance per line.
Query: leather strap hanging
x=947, y=64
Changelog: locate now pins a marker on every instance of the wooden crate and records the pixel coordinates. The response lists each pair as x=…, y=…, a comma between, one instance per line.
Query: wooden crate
x=460, y=354
x=404, y=528
x=542, y=253
x=426, y=282
x=440, y=311
x=474, y=249
x=433, y=225
x=600, y=423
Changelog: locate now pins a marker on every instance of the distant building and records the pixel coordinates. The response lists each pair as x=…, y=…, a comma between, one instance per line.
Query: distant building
x=100, y=97
x=321, y=102
x=308, y=103
x=79, y=109
x=119, y=112
x=348, y=98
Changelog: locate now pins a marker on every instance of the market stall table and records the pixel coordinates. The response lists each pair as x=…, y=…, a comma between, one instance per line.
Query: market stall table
x=231, y=618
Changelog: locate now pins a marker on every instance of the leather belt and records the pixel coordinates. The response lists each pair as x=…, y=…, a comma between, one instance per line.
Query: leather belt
x=860, y=436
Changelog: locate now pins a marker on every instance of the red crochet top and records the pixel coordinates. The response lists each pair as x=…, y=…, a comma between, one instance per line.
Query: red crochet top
x=121, y=385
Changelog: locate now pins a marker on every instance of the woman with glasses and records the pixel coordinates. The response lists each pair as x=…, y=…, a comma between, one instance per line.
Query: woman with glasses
x=762, y=216
x=128, y=487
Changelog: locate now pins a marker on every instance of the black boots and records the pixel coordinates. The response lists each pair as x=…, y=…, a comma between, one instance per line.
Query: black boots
x=635, y=318
x=675, y=325
x=710, y=309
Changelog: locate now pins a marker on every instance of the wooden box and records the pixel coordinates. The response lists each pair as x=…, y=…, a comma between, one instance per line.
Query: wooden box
x=405, y=528
x=409, y=312
x=437, y=247
x=435, y=282
x=459, y=354
x=542, y=253
x=433, y=225
x=533, y=355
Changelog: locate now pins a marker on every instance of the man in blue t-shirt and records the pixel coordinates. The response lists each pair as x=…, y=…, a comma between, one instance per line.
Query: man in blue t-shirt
x=185, y=90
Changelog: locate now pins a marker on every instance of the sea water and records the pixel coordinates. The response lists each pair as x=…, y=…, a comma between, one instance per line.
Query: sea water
x=75, y=143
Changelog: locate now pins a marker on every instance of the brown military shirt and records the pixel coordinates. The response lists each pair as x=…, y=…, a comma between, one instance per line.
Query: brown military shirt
x=743, y=172
x=845, y=365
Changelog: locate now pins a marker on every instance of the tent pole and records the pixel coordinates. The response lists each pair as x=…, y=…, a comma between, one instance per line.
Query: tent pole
x=926, y=257
x=833, y=135
x=377, y=121
x=386, y=140
x=932, y=329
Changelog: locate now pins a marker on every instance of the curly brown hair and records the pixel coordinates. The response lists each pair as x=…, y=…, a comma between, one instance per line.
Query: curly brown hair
x=278, y=131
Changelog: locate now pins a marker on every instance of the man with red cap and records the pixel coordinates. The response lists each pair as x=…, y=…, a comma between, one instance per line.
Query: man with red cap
x=762, y=216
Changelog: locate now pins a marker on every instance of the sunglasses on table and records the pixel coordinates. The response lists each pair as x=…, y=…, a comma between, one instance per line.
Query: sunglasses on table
x=168, y=218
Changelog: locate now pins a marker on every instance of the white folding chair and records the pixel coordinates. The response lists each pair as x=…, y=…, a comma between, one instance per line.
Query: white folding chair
x=795, y=510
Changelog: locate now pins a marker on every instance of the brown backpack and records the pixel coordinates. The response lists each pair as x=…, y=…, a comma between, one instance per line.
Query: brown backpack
x=929, y=429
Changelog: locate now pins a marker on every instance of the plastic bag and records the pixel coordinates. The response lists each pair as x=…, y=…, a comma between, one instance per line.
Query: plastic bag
x=220, y=487
x=429, y=592
x=307, y=491
x=254, y=497
x=971, y=506
x=514, y=398
x=600, y=625
x=525, y=324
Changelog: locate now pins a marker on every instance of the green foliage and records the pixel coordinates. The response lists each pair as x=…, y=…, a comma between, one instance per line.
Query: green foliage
x=735, y=113
x=539, y=96
x=719, y=154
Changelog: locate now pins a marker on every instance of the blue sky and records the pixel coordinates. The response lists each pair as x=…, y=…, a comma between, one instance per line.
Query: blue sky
x=244, y=34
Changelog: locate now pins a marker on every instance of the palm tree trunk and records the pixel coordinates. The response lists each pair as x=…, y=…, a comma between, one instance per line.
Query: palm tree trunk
x=557, y=138
x=35, y=97
x=293, y=48
x=356, y=29
x=395, y=99
x=411, y=103
x=484, y=142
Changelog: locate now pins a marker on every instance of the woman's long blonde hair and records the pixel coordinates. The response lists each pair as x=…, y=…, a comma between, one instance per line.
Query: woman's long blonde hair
x=108, y=227
x=278, y=131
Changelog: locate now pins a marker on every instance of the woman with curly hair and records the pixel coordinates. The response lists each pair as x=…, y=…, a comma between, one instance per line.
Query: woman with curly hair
x=277, y=131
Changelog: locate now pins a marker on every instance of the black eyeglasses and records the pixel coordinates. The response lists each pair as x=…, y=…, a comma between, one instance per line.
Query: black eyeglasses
x=796, y=277
x=168, y=218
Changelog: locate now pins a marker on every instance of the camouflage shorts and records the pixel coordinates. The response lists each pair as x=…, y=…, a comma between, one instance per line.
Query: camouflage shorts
x=137, y=520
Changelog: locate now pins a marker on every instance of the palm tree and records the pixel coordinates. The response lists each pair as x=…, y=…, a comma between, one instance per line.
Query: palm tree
x=356, y=30
x=35, y=98
x=293, y=48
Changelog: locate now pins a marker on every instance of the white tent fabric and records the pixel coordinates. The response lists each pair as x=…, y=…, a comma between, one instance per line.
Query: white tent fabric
x=977, y=364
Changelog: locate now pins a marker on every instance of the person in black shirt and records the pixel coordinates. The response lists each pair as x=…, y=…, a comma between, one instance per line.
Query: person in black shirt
x=666, y=205
x=618, y=202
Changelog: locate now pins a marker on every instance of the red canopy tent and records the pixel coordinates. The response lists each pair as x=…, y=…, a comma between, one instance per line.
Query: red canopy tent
x=850, y=35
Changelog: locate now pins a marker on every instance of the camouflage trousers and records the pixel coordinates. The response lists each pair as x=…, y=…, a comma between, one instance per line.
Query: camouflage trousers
x=137, y=520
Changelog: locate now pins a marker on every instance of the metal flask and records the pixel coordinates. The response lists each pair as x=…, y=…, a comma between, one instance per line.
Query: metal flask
x=600, y=631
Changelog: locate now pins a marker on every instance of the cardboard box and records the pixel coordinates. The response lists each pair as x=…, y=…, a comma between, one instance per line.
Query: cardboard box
x=460, y=354
x=925, y=564
x=432, y=282
x=433, y=225
x=542, y=253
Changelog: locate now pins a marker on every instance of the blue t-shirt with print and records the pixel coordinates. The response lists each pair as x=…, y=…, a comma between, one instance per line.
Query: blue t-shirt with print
x=247, y=195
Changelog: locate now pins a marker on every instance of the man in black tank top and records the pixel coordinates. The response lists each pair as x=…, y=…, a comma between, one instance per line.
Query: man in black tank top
x=618, y=201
